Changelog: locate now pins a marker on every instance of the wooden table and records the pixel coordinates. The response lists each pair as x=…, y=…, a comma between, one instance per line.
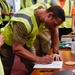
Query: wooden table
x=66, y=56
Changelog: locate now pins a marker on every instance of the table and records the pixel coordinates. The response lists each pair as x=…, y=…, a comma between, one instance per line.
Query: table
x=66, y=56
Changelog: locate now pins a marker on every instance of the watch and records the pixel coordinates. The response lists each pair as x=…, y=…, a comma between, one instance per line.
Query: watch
x=56, y=52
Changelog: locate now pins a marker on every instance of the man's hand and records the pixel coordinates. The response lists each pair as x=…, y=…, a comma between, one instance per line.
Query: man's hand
x=9, y=13
x=56, y=57
x=45, y=59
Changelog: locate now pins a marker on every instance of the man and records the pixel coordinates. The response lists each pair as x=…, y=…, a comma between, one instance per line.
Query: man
x=25, y=25
x=6, y=11
x=66, y=27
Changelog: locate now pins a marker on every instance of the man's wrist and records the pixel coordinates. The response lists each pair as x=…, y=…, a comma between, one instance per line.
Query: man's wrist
x=56, y=52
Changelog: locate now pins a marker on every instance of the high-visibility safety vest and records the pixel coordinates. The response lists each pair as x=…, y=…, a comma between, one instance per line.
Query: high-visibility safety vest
x=7, y=8
x=74, y=2
x=27, y=17
x=0, y=17
x=44, y=1
x=67, y=9
x=1, y=68
x=26, y=3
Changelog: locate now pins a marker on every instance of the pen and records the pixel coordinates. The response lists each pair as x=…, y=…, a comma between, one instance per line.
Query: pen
x=46, y=70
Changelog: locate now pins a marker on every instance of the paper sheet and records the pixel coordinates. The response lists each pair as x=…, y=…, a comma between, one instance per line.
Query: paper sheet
x=55, y=64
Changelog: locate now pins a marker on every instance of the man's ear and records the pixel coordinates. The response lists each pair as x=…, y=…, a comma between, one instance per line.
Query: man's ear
x=50, y=14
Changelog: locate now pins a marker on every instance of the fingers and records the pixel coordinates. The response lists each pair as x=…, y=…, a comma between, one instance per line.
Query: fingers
x=49, y=59
x=57, y=57
x=46, y=59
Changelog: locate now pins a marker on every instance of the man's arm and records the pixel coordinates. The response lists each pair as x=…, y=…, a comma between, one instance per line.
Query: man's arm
x=55, y=39
x=19, y=39
x=22, y=52
x=55, y=44
x=6, y=13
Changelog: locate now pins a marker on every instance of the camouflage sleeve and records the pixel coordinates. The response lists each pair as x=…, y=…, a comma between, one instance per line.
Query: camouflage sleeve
x=19, y=33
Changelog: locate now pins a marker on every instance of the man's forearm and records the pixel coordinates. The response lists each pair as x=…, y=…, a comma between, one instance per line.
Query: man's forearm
x=22, y=52
x=55, y=40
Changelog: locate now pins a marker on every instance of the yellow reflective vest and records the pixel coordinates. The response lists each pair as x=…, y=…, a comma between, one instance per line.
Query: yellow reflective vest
x=44, y=1
x=25, y=3
x=1, y=68
x=27, y=17
x=74, y=2
x=67, y=9
x=7, y=8
x=0, y=17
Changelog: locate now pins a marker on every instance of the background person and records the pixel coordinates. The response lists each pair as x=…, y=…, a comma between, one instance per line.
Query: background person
x=6, y=11
x=73, y=17
x=66, y=27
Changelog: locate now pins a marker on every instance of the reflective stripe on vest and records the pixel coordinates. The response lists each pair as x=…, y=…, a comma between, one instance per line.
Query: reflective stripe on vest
x=0, y=17
x=26, y=17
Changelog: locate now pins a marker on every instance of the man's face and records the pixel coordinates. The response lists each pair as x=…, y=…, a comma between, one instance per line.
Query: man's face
x=52, y=23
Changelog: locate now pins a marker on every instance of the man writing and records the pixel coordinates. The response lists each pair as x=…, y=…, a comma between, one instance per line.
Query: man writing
x=25, y=25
